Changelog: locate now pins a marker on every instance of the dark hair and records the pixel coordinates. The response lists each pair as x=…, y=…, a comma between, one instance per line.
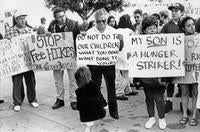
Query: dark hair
x=42, y=19
x=90, y=24
x=125, y=22
x=156, y=15
x=183, y=21
x=82, y=76
x=109, y=19
x=164, y=14
x=56, y=10
x=138, y=11
x=147, y=22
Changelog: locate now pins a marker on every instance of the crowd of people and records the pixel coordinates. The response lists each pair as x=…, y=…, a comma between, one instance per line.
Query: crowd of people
x=85, y=82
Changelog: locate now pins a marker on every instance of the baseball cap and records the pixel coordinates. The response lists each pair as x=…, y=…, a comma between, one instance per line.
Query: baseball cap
x=19, y=13
x=177, y=6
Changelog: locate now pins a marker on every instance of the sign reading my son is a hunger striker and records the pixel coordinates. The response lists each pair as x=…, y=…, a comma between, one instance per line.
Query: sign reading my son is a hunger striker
x=97, y=49
x=14, y=56
x=53, y=52
x=157, y=55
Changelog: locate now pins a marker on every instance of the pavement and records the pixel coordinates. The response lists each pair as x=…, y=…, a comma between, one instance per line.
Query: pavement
x=132, y=113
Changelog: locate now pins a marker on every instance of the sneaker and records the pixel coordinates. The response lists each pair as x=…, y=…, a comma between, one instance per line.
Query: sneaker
x=149, y=124
x=162, y=123
x=106, y=107
x=17, y=108
x=34, y=104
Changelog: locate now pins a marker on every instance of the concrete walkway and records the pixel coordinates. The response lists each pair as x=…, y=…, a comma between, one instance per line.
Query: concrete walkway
x=132, y=113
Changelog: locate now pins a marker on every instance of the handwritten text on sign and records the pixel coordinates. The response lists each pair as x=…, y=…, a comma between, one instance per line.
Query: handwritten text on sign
x=192, y=54
x=53, y=52
x=157, y=55
x=97, y=49
x=14, y=56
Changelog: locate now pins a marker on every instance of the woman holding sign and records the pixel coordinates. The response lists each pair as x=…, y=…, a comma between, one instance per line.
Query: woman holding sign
x=190, y=80
x=154, y=88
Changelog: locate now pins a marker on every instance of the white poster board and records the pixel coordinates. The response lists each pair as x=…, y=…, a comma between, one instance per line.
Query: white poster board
x=14, y=56
x=97, y=49
x=156, y=55
x=53, y=52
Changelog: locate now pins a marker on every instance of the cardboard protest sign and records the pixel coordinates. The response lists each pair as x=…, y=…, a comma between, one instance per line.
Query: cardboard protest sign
x=156, y=55
x=97, y=49
x=14, y=56
x=192, y=53
x=53, y=52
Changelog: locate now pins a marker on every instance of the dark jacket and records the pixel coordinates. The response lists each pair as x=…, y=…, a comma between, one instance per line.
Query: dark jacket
x=90, y=103
x=70, y=26
x=170, y=27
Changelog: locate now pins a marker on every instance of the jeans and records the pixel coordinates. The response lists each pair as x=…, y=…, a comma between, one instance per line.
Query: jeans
x=59, y=83
x=155, y=94
x=18, y=87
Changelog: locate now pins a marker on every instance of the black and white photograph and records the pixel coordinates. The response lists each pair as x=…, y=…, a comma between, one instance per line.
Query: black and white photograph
x=99, y=65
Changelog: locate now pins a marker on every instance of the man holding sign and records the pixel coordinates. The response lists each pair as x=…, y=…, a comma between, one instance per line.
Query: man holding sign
x=63, y=24
x=104, y=42
x=18, y=89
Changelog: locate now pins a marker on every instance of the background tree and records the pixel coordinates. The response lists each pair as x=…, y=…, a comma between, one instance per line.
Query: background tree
x=85, y=8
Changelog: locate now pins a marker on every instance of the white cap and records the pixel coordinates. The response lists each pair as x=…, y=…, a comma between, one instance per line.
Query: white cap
x=19, y=13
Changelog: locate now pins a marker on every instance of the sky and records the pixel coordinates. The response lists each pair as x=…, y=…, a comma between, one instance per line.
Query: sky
x=34, y=8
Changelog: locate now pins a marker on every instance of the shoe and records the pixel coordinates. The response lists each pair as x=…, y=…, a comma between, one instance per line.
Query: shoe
x=132, y=85
x=1, y=101
x=149, y=124
x=114, y=115
x=132, y=93
x=168, y=106
x=59, y=103
x=34, y=104
x=193, y=122
x=122, y=97
x=17, y=108
x=181, y=109
x=73, y=105
x=162, y=123
x=183, y=120
x=178, y=94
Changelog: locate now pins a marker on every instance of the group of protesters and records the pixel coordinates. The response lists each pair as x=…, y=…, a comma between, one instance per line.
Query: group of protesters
x=85, y=81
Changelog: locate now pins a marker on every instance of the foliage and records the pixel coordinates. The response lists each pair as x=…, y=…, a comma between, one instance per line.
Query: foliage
x=85, y=8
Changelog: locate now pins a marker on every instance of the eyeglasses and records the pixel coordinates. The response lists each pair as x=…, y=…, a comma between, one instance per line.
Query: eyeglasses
x=101, y=21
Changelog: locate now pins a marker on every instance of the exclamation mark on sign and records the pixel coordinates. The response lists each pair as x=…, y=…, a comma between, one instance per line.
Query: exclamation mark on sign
x=179, y=64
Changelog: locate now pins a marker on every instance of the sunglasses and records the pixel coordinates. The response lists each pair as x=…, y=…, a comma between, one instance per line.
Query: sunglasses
x=101, y=21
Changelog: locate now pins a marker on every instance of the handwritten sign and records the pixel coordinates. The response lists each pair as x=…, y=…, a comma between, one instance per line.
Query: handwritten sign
x=14, y=56
x=97, y=49
x=192, y=54
x=53, y=52
x=156, y=55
